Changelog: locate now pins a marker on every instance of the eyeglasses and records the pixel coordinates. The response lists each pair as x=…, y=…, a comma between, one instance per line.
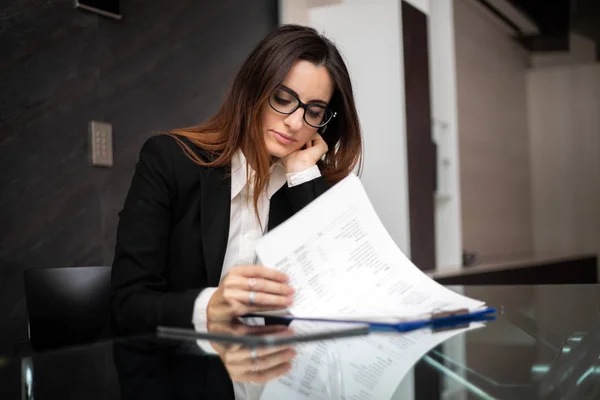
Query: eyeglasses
x=284, y=101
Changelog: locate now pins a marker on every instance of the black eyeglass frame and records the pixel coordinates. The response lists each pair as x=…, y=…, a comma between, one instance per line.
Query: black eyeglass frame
x=304, y=107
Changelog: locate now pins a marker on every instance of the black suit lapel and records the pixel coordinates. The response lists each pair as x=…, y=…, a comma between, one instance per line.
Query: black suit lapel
x=280, y=208
x=287, y=201
x=215, y=206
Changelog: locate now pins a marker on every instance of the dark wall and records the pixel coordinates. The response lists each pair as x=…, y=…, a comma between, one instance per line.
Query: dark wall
x=166, y=64
x=420, y=148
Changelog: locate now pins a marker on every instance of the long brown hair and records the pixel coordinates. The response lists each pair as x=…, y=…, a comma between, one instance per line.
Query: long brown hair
x=237, y=125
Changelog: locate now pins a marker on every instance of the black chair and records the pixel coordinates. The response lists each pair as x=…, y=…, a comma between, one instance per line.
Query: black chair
x=67, y=306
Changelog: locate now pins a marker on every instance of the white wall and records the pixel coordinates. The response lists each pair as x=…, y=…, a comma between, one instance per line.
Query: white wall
x=442, y=69
x=564, y=120
x=369, y=35
x=495, y=178
x=296, y=11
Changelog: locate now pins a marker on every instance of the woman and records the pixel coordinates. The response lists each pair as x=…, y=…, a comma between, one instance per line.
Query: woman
x=201, y=197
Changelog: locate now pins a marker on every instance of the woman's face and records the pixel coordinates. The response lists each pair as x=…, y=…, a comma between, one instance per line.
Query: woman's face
x=286, y=133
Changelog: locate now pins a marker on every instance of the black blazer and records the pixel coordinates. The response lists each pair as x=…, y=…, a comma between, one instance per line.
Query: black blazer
x=173, y=233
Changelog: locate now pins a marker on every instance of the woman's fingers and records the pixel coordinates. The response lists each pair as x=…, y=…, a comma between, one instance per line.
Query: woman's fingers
x=247, y=289
x=263, y=365
x=258, y=285
x=318, y=141
x=266, y=375
x=259, y=298
x=245, y=356
x=319, y=147
x=272, y=360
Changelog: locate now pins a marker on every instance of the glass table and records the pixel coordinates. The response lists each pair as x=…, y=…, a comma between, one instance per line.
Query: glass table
x=544, y=344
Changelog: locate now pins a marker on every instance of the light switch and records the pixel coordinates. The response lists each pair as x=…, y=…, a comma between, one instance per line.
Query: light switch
x=101, y=144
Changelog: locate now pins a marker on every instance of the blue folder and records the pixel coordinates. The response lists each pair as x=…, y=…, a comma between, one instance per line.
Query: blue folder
x=439, y=321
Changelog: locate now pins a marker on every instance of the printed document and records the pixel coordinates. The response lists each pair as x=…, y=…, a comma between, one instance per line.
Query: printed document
x=343, y=263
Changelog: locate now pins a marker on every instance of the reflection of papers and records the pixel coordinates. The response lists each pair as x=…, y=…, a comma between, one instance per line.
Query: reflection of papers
x=342, y=262
x=362, y=368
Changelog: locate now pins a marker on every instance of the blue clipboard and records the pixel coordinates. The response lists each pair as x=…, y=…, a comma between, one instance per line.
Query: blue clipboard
x=444, y=320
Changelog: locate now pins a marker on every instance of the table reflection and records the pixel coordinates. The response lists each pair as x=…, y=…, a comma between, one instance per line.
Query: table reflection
x=367, y=367
x=545, y=344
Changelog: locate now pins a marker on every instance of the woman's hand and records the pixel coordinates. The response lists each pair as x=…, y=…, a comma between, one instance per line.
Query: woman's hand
x=302, y=159
x=249, y=288
x=258, y=365
x=252, y=365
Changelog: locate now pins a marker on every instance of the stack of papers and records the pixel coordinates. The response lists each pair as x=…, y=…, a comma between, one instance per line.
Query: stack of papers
x=345, y=266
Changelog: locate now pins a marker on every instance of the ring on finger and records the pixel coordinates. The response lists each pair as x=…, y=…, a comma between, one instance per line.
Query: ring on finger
x=254, y=356
x=252, y=297
x=255, y=366
x=251, y=283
